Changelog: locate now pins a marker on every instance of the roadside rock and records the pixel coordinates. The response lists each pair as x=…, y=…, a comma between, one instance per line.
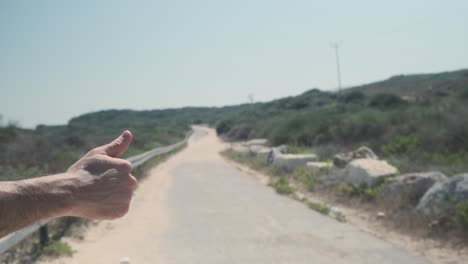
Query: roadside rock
x=255, y=146
x=342, y=159
x=333, y=177
x=237, y=147
x=368, y=172
x=257, y=142
x=337, y=214
x=291, y=161
x=276, y=151
x=258, y=149
x=410, y=187
x=380, y=215
x=443, y=197
x=317, y=166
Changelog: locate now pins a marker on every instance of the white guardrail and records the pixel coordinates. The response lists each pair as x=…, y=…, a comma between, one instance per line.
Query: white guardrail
x=14, y=238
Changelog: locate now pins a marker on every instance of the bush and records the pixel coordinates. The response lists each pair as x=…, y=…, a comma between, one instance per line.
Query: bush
x=241, y=132
x=223, y=127
x=365, y=193
x=305, y=177
x=461, y=215
x=385, y=100
x=401, y=145
x=464, y=93
x=346, y=188
x=58, y=248
x=282, y=186
x=259, y=161
x=7, y=134
x=321, y=208
x=293, y=149
x=277, y=170
x=371, y=193
x=354, y=97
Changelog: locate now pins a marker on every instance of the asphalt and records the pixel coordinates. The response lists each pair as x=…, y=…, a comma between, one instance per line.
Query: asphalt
x=218, y=214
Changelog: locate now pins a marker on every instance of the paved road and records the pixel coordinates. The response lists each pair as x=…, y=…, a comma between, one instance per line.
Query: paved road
x=198, y=208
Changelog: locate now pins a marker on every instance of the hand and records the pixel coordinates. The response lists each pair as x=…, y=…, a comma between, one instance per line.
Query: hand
x=102, y=183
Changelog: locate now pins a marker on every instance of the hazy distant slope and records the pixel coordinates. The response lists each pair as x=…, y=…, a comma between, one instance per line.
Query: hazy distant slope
x=419, y=85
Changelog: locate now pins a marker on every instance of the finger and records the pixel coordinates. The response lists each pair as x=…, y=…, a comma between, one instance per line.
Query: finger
x=118, y=145
x=121, y=165
x=133, y=183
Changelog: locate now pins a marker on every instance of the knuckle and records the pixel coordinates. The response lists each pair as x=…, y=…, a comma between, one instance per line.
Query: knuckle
x=121, y=211
x=132, y=182
x=93, y=151
x=126, y=166
x=125, y=194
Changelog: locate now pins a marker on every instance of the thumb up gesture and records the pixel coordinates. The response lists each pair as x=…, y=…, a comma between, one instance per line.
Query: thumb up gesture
x=101, y=183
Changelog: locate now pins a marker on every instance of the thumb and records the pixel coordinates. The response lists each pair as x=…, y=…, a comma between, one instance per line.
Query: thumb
x=118, y=145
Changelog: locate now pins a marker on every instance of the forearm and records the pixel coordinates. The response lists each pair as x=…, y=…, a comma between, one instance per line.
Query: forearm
x=27, y=201
x=98, y=186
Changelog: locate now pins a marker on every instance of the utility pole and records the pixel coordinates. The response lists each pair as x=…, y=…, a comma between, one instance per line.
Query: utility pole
x=250, y=97
x=336, y=47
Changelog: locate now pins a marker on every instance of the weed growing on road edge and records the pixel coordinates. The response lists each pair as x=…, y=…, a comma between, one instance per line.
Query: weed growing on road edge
x=259, y=161
x=368, y=194
x=461, y=215
x=282, y=186
x=321, y=208
x=58, y=248
x=306, y=177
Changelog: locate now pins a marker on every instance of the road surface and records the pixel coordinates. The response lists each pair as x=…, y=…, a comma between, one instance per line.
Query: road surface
x=198, y=208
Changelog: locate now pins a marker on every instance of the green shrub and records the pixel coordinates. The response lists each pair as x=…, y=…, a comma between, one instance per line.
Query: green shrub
x=58, y=248
x=366, y=193
x=223, y=127
x=354, y=97
x=293, y=149
x=282, y=186
x=277, y=171
x=346, y=188
x=231, y=154
x=401, y=145
x=240, y=132
x=464, y=93
x=450, y=159
x=321, y=208
x=305, y=177
x=385, y=100
x=371, y=193
x=259, y=161
x=461, y=215
x=7, y=134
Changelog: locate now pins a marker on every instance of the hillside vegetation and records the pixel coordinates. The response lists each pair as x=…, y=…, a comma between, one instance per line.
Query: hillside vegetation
x=418, y=122
x=50, y=149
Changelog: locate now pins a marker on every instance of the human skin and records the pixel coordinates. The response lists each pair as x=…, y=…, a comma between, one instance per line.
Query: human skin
x=98, y=186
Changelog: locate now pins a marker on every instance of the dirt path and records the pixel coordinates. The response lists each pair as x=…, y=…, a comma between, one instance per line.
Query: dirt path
x=197, y=208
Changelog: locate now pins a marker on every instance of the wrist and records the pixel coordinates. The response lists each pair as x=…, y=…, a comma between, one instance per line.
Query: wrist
x=49, y=196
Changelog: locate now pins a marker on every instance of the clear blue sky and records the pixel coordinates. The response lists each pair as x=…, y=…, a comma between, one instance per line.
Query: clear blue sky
x=59, y=59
